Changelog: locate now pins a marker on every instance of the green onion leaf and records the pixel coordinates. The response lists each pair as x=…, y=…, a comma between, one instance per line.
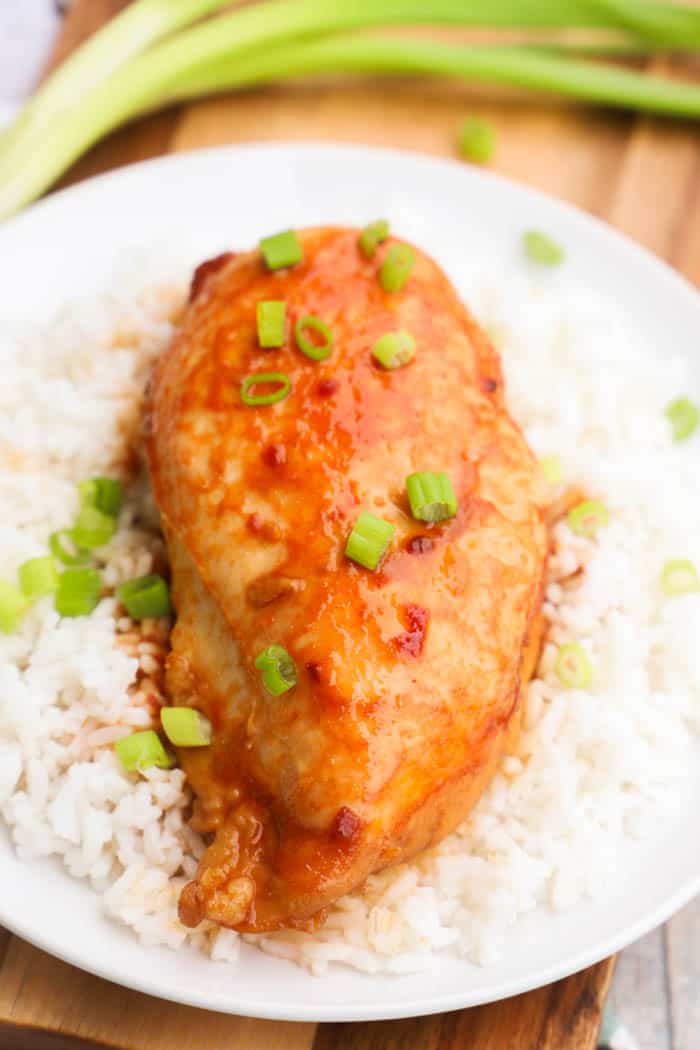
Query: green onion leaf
x=279, y=673
x=317, y=352
x=260, y=378
x=679, y=577
x=185, y=727
x=586, y=518
x=431, y=496
x=551, y=469
x=92, y=528
x=573, y=666
x=371, y=236
x=57, y=546
x=542, y=249
x=684, y=417
x=145, y=598
x=477, y=140
x=13, y=606
x=396, y=268
x=394, y=349
x=369, y=540
x=281, y=250
x=271, y=323
x=38, y=577
x=78, y=592
x=104, y=494
x=141, y=751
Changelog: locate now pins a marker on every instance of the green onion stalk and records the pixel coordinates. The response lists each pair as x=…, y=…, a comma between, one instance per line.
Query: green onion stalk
x=146, y=59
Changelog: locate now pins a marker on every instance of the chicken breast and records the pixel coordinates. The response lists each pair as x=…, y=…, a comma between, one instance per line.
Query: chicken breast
x=409, y=678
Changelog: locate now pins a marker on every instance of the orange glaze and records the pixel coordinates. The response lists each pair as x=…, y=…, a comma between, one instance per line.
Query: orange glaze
x=408, y=678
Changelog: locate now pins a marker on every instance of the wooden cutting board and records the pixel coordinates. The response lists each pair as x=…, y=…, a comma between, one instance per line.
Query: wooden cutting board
x=643, y=177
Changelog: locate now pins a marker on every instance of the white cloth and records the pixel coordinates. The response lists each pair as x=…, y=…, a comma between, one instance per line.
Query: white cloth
x=27, y=31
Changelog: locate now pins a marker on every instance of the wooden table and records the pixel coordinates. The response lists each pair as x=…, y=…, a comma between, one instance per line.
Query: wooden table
x=642, y=176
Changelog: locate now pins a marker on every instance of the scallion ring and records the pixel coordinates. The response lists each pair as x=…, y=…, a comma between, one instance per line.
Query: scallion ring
x=684, y=416
x=13, y=606
x=146, y=597
x=369, y=540
x=396, y=268
x=78, y=592
x=541, y=249
x=679, y=576
x=573, y=666
x=431, y=496
x=261, y=378
x=586, y=518
x=394, y=349
x=92, y=528
x=38, y=577
x=185, y=727
x=316, y=351
x=279, y=673
x=281, y=250
x=371, y=236
x=271, y=316
x=477, y=140
x=141, y=751
x=106, y=494
x=551, y=469
x=57, y=546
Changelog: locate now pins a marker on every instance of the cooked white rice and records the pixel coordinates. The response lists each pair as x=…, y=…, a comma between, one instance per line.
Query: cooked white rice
x=592, y=768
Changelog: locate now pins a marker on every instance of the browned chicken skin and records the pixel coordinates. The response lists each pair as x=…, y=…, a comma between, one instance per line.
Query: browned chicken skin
x=409, y=678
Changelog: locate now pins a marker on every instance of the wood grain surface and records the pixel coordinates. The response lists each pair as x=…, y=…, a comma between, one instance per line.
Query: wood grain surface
x=643, y=176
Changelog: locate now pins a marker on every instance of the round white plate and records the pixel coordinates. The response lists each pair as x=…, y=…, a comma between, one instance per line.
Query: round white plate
x=203, y=203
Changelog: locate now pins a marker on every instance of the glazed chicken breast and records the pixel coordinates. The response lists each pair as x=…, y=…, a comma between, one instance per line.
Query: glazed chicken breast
x=409, y=677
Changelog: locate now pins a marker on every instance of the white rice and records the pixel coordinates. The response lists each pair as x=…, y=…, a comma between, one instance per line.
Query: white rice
x=593, y=767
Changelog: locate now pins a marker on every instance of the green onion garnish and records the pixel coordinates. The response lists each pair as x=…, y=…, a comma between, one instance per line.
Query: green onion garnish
x=573, y=666
x=477, y=140
x=145, y=598
x=141, y=751
x=105, y=494
x=431, y=496
x=57, y=541
x=92, y=528
x=13, y=606
x=38, y=577
x=279, y=673
x=185, y=727
x=684, y=417
x=369, y=540
x=551, y=469
x=78, y=592
x=281, y=250
x=542, y=249
x=271, y=323
x=285, y=385
x=394, y=349
x=679, y=577
x=317, y=352
x=371, y=236
x=396, y=268
x=586, y=518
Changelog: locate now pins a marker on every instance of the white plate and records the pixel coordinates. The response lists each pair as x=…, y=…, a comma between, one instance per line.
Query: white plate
x=211, y=200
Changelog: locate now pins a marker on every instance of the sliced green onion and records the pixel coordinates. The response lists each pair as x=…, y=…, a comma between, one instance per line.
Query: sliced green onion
x=396, y=268
x=394, y=349
x=551, y=469
x=542, y=249
x=78, y=592
x=431, y=496
x=279, y=673
x=271, y=323
x=92, y=528
x=281, y=250
x=369, y=540
x=141, y=751
x=13, y=606
x=285, y=385
x=684, y=417
x=145, y=598
x=185, y=727
x=573, y=666
x=586, y=518
x=371, y=236
x=317, y=352
x=57, y=541
x=38, y=576
x=477, y=140
x=105, y=494
x=679, y=577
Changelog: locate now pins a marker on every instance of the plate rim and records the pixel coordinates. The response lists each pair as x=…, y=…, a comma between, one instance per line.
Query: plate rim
x=363, y=1010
